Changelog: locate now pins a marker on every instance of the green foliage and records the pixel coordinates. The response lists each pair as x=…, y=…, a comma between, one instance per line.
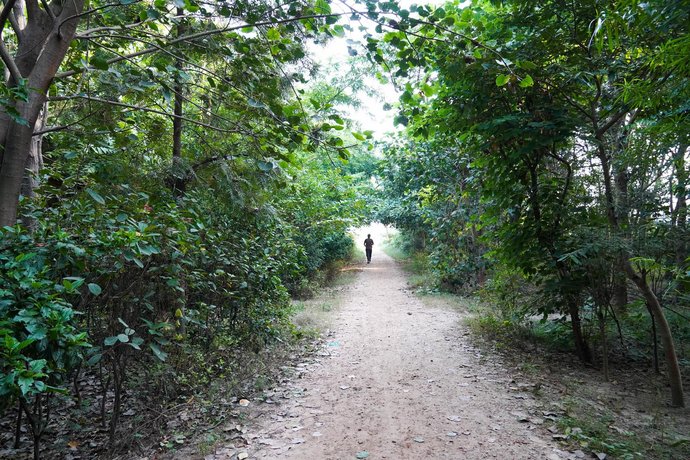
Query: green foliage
x=536, y=155
x=39, y=340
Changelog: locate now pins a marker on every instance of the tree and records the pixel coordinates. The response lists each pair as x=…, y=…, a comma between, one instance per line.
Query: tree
x=45, y=38
x=549, y=102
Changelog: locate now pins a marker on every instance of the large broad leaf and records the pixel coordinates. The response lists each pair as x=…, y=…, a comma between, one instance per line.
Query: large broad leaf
x=502, y=80
x=322, y=7
x=265, y=166
x=94, y=288
x=160, y=354
x=96, y=196
x=526, y=82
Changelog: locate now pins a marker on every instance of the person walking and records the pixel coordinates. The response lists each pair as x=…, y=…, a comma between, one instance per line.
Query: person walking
x=368, y=244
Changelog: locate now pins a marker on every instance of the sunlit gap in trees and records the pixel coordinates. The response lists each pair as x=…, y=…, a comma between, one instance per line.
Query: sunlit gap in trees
x=376, y=110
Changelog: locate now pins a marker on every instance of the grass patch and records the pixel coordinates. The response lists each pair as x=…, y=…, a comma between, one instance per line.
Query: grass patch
x=598, y=433
x=594, y=434
x=416, y=264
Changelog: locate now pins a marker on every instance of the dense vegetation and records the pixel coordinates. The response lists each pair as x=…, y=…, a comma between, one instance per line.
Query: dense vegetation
x=544, y=161
x=173, y=171
x=182, y=182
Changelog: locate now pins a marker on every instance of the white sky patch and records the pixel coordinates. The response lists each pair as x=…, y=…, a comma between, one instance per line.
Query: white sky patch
x=371, y=114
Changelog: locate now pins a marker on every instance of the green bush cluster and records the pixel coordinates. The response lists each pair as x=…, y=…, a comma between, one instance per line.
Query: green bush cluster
x=122, y=280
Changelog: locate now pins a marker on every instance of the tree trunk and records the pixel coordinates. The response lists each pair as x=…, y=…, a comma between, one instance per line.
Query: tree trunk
x=675, y=379
x=34, y=165
x=17, y=145
x=178, y=180
x=601, y=316
x=619, y=290
x=581, y=347
x=655, y=342
x=42, y=45
x=680, y=214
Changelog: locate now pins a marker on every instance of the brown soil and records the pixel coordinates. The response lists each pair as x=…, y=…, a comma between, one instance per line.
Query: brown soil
x=396, y=379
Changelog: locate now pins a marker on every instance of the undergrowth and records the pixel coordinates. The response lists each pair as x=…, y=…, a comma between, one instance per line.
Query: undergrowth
x=414, y=261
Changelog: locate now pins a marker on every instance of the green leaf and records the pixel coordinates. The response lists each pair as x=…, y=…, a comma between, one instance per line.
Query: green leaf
x=502, y=80
x=322, y=7
x=15, y=115
x=96, y=197
x=526, y=82
x=94, y=288
x=110, y=341
x=257, y=104
x=23, y=344
x=99, y=62
x=160, y=354
x=95, y=359
x=273, y=34
x=136, y=342
x=37, y=365
x=527, y=65
x=265, y=166
x=124, y=338
x=25, y=384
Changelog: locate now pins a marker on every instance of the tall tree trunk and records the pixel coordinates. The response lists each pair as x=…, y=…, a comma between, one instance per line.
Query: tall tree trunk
x=622, y=209
x=675, y=379
x=17, y=144
x=43, y=41
x=34, y=165
x=581, y=346
x=178, y=180
x=680, y=214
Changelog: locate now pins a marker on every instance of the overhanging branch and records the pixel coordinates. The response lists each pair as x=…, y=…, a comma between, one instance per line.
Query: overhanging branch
x=145, y=109
x=202, y=34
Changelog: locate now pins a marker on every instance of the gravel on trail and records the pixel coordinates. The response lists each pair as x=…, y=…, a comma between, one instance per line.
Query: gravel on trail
x=398, y=378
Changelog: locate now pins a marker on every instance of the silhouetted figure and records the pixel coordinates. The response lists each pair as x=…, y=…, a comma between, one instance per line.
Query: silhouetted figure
x=368, y=244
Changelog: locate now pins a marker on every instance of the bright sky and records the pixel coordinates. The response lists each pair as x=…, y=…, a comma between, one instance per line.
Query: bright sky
x=370, y=115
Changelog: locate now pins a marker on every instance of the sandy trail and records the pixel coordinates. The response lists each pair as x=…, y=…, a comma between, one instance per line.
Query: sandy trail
x=399, y=379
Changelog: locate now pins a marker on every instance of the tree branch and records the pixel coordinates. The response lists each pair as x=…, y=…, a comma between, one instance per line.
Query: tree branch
x=5, y=13
x=48, y=10
x=93, y=10
x=15, y=26
x=9, y=62
x=612, y=121
x=54, y=129
x=144, y=109
x=4, y=54
x=205, y=33
x=32, y=8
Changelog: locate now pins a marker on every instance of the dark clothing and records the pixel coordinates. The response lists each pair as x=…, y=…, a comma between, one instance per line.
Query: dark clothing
x=368, y=243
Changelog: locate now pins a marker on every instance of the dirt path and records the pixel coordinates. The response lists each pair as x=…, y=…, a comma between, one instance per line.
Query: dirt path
x=398, y=379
